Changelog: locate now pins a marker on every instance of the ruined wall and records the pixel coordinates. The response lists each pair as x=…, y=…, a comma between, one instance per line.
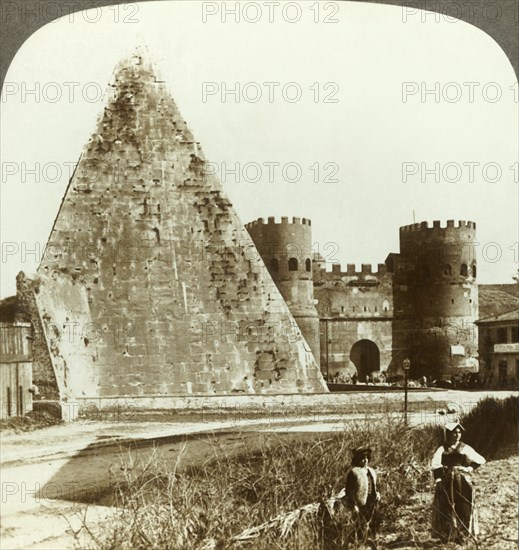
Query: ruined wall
x=27, y=310
x=149, y=262
x=8, y=309
x=65, y=317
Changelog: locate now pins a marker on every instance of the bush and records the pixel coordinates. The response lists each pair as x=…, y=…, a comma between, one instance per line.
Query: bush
x=492, y=427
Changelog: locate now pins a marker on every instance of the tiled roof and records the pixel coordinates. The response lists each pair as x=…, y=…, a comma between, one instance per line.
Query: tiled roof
x=507, y=316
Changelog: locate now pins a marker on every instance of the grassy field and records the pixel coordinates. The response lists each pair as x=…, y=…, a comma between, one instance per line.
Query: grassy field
x=206, y=507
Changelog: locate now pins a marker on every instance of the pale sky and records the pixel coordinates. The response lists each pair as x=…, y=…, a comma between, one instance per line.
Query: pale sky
x=365, y=136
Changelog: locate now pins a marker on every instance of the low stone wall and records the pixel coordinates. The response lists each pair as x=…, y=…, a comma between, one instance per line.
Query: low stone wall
x=288, y=405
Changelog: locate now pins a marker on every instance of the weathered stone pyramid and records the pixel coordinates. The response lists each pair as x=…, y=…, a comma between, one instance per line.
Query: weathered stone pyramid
x=150, y=282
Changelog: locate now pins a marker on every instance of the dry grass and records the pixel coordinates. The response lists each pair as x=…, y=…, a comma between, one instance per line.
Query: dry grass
x=204, y=507
x=35, y=420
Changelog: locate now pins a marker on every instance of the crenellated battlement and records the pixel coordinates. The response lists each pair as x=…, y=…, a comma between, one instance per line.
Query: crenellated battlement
x=271, y=220
x=437, y=226
x=352, y=271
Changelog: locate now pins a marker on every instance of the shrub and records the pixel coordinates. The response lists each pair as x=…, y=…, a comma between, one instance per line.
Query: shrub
x=492, y=427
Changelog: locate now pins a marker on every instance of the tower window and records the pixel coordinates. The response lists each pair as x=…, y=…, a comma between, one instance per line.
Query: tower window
x=447, y=269
x=308, y=264
x=464, y=271
x=474, y=270
x=274, y=264
x=292, y=264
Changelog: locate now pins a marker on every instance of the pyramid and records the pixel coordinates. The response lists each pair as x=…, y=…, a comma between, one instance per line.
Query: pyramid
x=150, y=283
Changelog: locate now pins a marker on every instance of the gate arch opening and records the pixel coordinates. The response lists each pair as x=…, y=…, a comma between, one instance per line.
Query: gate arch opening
x=366, y=357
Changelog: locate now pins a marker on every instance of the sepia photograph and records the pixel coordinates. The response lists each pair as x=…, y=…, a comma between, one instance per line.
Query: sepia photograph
x=259, y=275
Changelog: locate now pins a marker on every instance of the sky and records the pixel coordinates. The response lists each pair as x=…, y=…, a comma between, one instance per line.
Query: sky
x=361, y=117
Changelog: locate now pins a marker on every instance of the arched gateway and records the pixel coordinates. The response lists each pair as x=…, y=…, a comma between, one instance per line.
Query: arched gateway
x=366, y=357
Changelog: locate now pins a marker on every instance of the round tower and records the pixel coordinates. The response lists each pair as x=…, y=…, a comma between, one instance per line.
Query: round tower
x=437, y=293
x=286, y=250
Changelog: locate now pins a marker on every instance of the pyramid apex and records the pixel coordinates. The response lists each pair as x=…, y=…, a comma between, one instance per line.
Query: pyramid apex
x=139, y=56
x=139, y=110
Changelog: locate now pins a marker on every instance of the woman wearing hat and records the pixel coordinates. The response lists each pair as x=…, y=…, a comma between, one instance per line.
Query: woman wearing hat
x=361, y=493
x=454, y=511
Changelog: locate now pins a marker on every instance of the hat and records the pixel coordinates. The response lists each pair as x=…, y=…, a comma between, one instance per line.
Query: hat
x=360, y=452
x=451, y=426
